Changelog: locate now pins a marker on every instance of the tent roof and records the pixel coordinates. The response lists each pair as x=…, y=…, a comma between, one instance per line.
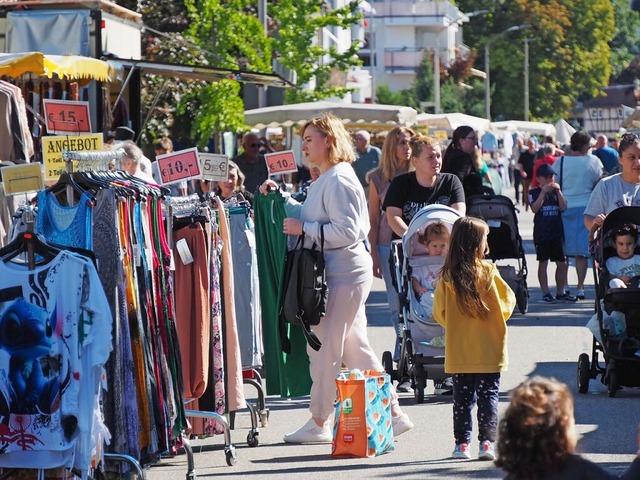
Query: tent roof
x=65, y=66
x=451, y=121
x=534, y=128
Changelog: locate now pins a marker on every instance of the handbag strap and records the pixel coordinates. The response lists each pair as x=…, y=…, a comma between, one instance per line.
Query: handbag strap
x=561, y=165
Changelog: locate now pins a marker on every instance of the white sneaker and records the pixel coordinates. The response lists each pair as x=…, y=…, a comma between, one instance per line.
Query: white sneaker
x=404, y=387
x=401, y=424
x=310, y=432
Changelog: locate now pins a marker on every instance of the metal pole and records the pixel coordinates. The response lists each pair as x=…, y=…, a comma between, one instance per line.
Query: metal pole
x=526, y=79
x=487, y=84
x=262, y=17
x=372, y=58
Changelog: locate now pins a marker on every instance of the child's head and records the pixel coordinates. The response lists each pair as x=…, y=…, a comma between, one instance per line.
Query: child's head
x=435, y=238
x=624, y=240
x=545, y=174
x=537, y=431
x=468, y=240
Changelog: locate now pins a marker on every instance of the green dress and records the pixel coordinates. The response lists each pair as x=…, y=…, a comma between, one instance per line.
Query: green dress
x=286, y=374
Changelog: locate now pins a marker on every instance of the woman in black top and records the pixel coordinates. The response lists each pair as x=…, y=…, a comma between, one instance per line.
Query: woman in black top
x=525, y=164
x=411, y=191
x=458, y=160
x=537, y=437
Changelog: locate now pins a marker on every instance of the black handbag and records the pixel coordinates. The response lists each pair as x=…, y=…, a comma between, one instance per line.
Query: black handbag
x=304, y=291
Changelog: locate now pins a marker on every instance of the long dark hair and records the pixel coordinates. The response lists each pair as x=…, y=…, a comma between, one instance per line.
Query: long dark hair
x=458, y=134
x=463, y=265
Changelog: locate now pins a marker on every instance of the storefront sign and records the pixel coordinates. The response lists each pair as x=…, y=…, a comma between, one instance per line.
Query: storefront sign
x=53, y=146
x=22, y=178
x=281, y=162
x=66, y=116
x=178, y=166
x=214, y=166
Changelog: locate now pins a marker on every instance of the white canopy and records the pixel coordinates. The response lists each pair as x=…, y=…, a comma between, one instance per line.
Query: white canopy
x=533, y=128
x=564, y=131
x=365, y=115
x=451, y=121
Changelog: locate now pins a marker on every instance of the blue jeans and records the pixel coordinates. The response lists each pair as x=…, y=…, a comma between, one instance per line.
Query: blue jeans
x=392, y=296
x=469, y=389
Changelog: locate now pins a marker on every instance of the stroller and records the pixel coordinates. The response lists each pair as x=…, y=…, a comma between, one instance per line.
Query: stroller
x=504, y=241
x=617, y=314
x=422, y=347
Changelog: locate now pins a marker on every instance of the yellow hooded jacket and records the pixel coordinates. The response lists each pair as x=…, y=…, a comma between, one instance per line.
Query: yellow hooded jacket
x=475, y=345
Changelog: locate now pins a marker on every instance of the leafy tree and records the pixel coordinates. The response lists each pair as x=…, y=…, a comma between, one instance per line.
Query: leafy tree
x=624, y=46
x=385, y=96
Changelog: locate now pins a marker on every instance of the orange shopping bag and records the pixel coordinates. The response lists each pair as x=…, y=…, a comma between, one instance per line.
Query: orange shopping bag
x=362, y=425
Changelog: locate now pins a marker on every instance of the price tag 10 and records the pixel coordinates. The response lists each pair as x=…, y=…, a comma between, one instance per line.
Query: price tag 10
x=214, y=166
x=66, y=116
x=179, y=166
x=23, y=178
x=281, y=162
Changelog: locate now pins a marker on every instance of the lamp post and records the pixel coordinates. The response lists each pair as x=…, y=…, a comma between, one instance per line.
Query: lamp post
x=526, y=79
x=487, y=63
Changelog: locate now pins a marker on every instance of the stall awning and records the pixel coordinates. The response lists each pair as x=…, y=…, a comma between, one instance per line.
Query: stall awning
x=72, y=67
x=206, y=74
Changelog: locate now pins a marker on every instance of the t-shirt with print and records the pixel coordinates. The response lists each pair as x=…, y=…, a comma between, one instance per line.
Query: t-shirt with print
x=629, y=266
x=547, y=222
x=408, y=195
x=611, y=193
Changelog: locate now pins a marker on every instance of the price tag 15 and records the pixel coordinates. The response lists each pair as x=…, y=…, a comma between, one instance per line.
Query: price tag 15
x=214, y=166
x=66, y=116
x=281, y=162
x=178, y=166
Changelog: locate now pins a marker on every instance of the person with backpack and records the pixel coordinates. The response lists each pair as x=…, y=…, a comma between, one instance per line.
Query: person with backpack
x=336, y=207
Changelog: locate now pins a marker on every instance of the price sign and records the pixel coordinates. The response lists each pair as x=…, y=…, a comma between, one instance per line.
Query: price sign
x=281, y=162
x=178, y=166
x=440, y=135
x=22, y=178
x=214, y=166
x=53, y=146
x=66, y=116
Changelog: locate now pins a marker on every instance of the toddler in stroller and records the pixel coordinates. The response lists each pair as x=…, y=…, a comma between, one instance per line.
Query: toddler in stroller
x=422, y=342
x=616, y=324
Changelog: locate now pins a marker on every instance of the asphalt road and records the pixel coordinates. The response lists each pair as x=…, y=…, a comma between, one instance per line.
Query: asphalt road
x=545, y=341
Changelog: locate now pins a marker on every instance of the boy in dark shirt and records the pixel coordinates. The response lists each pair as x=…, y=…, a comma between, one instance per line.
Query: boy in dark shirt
x=547, y=202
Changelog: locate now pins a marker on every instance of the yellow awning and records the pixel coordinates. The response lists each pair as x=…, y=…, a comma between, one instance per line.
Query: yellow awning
x=72, y=67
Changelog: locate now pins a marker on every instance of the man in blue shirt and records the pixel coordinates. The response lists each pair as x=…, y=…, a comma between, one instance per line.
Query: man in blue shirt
x=607, y=155
x=368, y=157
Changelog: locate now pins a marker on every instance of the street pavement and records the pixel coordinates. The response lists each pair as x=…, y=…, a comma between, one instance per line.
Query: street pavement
x=545, y=341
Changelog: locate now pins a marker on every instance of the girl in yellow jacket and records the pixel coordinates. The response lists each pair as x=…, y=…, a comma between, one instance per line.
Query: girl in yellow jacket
x=472, y=302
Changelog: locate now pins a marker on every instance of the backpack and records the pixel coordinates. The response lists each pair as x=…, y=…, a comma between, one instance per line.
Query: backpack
x=304, y=291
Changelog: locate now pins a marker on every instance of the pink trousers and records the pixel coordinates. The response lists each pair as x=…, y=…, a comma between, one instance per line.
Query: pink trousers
x=343, y=333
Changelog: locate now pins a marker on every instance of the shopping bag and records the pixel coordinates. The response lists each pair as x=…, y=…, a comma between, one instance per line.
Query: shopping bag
x=362, y=425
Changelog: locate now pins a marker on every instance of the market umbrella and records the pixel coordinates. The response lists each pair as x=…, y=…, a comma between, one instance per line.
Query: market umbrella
x=564, y=131
x=365, y=115
x=69, y=66
x=451, y=121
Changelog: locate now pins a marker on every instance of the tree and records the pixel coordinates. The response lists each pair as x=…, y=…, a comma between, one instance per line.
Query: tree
x=624, y=45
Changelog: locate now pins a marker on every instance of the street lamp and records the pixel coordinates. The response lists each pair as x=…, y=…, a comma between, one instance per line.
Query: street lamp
x=487, y=87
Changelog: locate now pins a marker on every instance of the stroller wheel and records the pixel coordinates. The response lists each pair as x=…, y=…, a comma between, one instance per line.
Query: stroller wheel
x=583, y=373
x=522, y=298
x=612, y=383
x=419, y=388
x=387, y=364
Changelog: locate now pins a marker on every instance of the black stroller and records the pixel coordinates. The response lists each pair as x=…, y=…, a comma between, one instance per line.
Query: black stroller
x=504, y=241
x=617, y=314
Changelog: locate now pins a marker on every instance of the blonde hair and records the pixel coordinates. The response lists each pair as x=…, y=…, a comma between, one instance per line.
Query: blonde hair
x=388, y=161
x=419, y=142
x=341, y=148
x=433, y=231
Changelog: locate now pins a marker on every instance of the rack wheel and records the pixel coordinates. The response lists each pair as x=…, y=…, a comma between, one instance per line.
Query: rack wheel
x=522, y=299
x=252, y=439
x=612, y=383
x=264, y=418
x=230, y=454
x=387, y=363
x=584, y=367
x=419, y=388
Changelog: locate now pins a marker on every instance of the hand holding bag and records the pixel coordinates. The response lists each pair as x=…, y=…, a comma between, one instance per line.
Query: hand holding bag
x=362, y=425
x=304, y=291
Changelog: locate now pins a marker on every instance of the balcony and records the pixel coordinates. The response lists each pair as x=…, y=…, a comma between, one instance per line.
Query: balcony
x=399, y=60
x=416, y=12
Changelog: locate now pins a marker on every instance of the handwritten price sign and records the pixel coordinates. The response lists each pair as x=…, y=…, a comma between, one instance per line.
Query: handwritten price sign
x=178, y=166
x=214, y=166
x=66, y=116
x=281, y=162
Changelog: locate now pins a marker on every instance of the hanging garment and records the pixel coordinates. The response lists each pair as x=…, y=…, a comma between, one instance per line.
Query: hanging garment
x=51, y=371
x=65, y=225
x=286, y=375
x=247, y=292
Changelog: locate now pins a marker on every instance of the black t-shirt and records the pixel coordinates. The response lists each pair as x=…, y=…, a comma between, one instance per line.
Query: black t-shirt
x=461, y=165
x=578, y=468
x=547, y=222
x=527, y=159
x=407, y=194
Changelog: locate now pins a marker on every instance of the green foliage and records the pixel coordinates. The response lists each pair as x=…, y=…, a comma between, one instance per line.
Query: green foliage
x=624, y=45
x=385, y=96
x=300, y=28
